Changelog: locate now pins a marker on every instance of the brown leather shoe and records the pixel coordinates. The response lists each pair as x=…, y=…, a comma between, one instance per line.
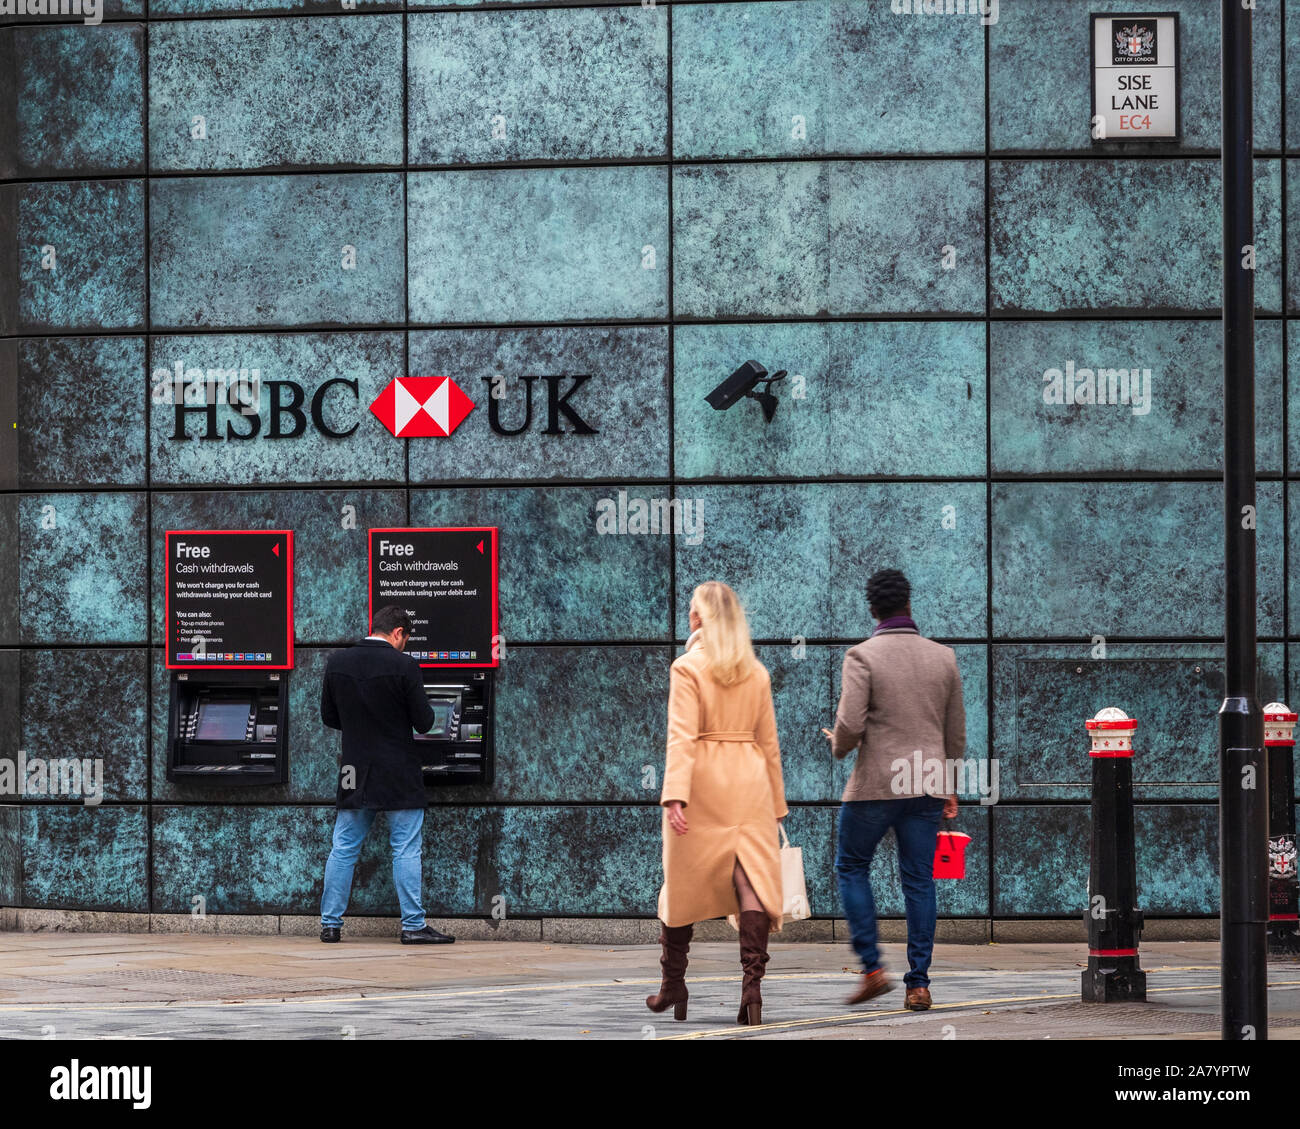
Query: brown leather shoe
x=918, y=999
x=870, y=985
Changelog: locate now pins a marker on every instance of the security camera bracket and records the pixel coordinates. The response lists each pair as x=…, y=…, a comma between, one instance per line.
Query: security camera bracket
x=765, y=396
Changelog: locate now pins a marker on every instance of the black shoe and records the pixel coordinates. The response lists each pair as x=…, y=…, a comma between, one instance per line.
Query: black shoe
x=331, y=933
x=426, y=936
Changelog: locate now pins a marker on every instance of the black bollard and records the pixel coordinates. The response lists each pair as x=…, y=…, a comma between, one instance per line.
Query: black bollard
x=1114, y=921
x=1283, y=896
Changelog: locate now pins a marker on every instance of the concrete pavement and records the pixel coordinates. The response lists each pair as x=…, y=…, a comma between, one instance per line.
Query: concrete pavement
x=156, y=986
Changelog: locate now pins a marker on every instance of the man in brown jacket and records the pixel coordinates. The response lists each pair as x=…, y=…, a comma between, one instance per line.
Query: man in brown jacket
x=901, y=708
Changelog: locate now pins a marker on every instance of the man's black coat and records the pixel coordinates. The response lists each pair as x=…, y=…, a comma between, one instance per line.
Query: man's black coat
x=375, y=695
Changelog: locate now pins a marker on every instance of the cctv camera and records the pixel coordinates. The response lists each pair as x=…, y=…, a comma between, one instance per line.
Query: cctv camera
x=744, y=382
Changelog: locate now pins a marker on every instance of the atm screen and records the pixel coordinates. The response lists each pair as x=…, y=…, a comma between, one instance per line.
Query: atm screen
x=222, y=721
x=444, y=712
x=444, y=719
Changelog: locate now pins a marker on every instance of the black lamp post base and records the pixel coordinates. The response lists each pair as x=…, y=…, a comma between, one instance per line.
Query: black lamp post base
x=1113, y=985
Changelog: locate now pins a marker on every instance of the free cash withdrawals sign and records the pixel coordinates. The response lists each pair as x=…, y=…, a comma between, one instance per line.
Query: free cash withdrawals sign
x=446, y=580
x=1135, y=77
x=229, y=599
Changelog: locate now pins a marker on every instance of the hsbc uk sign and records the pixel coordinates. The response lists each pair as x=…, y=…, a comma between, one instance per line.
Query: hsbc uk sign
x=410, y=407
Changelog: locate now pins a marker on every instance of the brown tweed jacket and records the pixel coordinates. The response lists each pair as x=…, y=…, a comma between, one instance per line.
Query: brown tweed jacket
x=900, y=693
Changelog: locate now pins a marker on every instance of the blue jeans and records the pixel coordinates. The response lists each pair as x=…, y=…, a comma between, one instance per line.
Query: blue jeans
x=350, y=829
x=863, y=824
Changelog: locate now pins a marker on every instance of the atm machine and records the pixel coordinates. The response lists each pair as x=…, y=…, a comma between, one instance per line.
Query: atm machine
x=228, y=725
x=459, y=749
x=445, y=579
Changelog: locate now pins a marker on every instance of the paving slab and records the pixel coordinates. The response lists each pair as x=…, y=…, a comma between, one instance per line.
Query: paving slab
x=202, y=986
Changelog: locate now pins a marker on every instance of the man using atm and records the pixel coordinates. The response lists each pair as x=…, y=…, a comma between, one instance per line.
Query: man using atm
x=375, y=695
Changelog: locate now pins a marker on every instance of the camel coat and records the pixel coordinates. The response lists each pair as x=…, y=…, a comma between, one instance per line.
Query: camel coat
x=724, y=765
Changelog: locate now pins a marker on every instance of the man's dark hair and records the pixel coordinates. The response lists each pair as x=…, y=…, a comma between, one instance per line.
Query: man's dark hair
x=388, y=619
x=888, y=592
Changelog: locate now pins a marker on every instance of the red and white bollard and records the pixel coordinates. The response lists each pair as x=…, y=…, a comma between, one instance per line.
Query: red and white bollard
x=1283, y=893
x=1114, y=921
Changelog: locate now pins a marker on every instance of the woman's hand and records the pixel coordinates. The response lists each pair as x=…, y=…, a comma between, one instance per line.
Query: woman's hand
x=676, y=820
x=950, y=807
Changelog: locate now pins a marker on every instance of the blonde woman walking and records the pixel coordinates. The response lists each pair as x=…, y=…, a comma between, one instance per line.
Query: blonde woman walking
x=723, y=797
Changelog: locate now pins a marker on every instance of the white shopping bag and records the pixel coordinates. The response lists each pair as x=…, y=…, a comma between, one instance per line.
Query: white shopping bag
x=794, y=891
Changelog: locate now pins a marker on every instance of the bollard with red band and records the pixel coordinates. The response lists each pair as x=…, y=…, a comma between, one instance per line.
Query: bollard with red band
x=1283, y=895
x=1114, y=921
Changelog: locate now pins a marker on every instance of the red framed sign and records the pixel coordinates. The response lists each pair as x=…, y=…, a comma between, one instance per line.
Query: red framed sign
x=228, y=599
x=446, y=581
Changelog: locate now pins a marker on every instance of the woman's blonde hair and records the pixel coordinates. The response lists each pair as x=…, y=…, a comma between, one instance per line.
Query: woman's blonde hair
x=724, y=632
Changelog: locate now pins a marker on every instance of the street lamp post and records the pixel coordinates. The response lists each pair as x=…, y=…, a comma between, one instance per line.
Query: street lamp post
x=1243, y=767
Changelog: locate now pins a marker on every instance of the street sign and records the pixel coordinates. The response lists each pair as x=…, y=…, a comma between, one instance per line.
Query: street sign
x=1135, y=94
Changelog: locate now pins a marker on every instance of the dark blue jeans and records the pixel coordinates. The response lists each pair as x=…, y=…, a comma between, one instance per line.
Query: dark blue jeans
x=863, y=824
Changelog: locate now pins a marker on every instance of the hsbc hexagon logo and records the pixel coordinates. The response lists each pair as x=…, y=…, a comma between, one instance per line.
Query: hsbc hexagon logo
x=419, y=407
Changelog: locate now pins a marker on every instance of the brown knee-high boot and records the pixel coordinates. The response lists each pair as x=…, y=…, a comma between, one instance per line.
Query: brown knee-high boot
x=754, y=926
x=676, y=941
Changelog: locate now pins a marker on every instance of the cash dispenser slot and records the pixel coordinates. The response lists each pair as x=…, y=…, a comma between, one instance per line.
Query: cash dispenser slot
x=228, y=727
x=459, y=749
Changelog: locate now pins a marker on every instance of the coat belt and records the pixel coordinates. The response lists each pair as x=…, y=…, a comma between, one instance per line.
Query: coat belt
x=728, y=735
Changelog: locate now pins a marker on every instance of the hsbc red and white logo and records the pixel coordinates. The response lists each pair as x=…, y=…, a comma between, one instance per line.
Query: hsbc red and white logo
x=420, y=407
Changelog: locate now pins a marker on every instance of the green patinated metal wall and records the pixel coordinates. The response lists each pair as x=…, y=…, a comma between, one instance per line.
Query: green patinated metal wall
x=906, y=212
